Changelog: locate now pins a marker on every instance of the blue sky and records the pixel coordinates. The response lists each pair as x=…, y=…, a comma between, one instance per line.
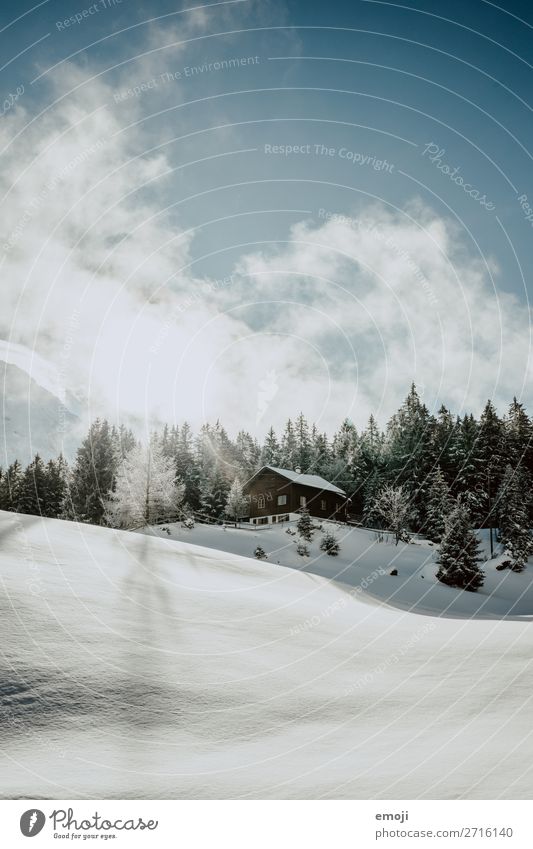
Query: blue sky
x=312, y=202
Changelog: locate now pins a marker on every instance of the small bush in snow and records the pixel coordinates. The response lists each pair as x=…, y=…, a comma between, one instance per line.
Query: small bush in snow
x=259, y=553
x=505, y=564
x=291, y=532
x=188, y=523
x=303, y=549
x=329, y=544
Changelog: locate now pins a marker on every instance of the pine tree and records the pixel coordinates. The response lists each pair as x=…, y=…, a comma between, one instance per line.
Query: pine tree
x=236, y=504
x=271, y=452
x=320, y=453
x=304, y=525
x=248, y=455
x=187, y=466
x=214, y=495
x=459, y=551
x=93, y=474
x=32, y=493
x=513, y=511
x=10, y=487
x=519, y=437
x=491, y=453
x=146, y=490
x=439, y=504
x=289, y=448
x=56, y=487
x=329, y=543
x=303, y=444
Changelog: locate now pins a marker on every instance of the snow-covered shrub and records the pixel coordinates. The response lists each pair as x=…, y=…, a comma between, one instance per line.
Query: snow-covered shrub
x=259, y=553
x=329, y=544
x=188, y=523
x=302, y=549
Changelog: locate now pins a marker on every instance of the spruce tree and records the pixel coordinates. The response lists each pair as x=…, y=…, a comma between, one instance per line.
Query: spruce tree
x=303, y=444
x=10, y=487
x=329, y=543
x=439, y=504
x=187, y=466
x=93, y=474
x=56, y=487
x=32, y=493
x=458, y=555
x=304, y=525
x=513, y=512
x=289, y=447
x=214, y=495
x=271, y=452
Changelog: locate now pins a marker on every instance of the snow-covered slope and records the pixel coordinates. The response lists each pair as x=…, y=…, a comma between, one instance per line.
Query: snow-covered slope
x=34, y=421
x=136, y=666
x=366, y=563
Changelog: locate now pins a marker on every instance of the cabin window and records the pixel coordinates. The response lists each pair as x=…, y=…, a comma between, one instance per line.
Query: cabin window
x=282, y=499
x=303, y=501
x=261, y=501
x=323, y=505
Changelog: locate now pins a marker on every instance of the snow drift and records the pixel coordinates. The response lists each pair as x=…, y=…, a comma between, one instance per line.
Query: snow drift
x=141, y=667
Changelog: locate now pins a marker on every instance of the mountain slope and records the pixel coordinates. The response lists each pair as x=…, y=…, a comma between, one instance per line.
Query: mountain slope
x=135, y=666
x=34, y=421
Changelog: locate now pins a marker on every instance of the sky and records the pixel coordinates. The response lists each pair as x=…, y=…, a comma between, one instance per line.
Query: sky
x=244, y=210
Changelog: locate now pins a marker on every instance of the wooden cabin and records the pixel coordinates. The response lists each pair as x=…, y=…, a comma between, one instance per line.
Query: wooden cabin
x=277, y=495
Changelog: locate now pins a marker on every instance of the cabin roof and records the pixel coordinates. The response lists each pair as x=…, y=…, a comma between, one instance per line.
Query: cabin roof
x=314, y=481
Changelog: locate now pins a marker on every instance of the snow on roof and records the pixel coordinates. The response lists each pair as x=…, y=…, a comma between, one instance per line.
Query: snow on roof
x=307, y=480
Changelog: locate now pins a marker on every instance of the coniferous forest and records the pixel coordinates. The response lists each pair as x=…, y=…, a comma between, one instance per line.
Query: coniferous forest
x=434, y=474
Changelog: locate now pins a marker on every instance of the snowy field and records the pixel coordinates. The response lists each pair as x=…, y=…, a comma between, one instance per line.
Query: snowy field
x=134, y=666
x=415, y=588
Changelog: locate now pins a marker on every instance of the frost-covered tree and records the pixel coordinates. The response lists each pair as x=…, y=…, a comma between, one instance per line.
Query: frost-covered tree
x=146, y=490
x=513, y=511
x=304, y=526
x=393, y=505
x=439, y=504
x=329, y=543
x=458, y=555
x=236, y=504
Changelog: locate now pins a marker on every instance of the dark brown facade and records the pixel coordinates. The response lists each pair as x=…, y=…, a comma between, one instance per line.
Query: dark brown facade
x=273, y=497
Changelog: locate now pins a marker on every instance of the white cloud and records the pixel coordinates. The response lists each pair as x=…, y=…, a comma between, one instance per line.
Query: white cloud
x=344, y=317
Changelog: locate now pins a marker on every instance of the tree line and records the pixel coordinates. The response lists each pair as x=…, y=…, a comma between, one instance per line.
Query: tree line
x=409, y=477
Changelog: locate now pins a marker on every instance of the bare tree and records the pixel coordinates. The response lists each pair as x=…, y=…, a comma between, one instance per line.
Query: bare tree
x=392, y=503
